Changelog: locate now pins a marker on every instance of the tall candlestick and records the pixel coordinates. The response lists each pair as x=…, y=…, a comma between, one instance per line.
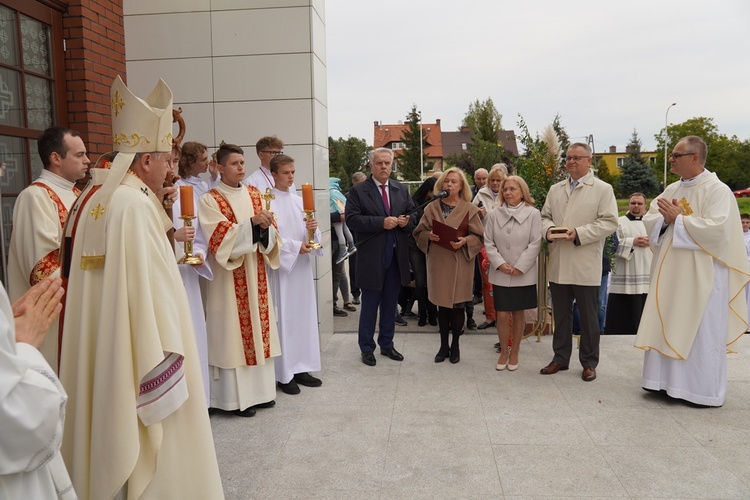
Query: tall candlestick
x=308, y=201
x=186, y=201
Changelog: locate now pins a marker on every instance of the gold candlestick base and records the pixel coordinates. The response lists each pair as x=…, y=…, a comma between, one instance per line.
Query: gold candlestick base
x=189, y=258
x=309, y=214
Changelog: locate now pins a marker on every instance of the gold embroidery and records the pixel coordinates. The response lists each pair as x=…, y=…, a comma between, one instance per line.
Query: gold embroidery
x=685, y=207
x=117, y=103
x=133, y=140
x=97, y=211
x=167, y=139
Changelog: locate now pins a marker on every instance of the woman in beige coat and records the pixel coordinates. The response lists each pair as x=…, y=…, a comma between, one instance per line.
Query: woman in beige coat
x=450, y=272
x=513, y=237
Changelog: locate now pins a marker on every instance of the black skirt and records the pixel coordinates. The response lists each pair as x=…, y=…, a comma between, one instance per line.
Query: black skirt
x=516, y=298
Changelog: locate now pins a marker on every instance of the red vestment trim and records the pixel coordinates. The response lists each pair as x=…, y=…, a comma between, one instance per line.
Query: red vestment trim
x=46, y=266
x=240, y=280
x=62, y=212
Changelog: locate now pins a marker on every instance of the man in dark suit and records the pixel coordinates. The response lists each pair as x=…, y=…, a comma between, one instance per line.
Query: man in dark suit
x=377, y=212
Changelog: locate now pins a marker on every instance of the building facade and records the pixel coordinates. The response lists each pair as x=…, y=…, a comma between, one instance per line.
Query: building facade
x=239, y=69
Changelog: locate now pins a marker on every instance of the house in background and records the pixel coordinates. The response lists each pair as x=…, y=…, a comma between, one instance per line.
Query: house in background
x=439, y=144
x=390, y=136
x=455, y=143
x=613, y=159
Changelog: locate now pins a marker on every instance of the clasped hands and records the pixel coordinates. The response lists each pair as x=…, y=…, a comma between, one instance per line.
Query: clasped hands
x=506, y=268
x=391, y=221
x=668, y=209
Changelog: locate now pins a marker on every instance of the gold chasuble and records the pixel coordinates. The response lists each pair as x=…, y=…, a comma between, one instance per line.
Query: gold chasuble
x=682, y=278
x=136, y=424
x=240, y=316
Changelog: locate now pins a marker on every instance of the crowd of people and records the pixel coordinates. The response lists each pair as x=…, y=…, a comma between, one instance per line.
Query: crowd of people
x=97, y=298
x=449, y=230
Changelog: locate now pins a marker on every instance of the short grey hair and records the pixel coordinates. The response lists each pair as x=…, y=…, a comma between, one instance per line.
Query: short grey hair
x=381, y=150
x=581, y=145
x=358, y=177
x=696, y=145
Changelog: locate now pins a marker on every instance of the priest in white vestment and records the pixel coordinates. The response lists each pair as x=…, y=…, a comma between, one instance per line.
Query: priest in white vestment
x=294, y=293
x=193, y=162
x=137, y=425
x=695, y=306
x=240, y=317
x=631, y=274
x=39, y=216
x=32, y=400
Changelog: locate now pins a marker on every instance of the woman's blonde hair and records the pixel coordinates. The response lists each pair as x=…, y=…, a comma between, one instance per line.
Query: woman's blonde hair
x=498, y=170
x=525, y=193
x=465, y=192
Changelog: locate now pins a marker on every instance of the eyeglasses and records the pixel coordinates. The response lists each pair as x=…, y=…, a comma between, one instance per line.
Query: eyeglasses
x=273, y=153
x=674, y=156
x=575, y=158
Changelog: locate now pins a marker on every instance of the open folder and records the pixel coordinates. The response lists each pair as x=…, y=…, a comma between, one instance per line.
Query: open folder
x=448, y=233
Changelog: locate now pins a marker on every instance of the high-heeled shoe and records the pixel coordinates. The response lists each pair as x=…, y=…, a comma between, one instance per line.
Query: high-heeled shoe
x=502, y=366
x=511, y=368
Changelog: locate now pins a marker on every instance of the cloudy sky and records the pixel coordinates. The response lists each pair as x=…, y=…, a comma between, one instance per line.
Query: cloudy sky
x=605, y=66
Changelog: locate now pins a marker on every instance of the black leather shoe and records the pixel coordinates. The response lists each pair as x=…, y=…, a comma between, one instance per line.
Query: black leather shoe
x=247, y=412
x=422, y=321
x=307, y=380
x=455, y=355
x=441, y=355
x=339, y=312
x=368, y=358
x=355, y=300
x=289, y=388
x=269, y=404
x=486, y=324
x=392, y=353
x=471, y=324
x=400, y=321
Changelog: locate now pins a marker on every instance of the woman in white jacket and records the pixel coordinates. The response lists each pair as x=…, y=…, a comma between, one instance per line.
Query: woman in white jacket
x=513, y=237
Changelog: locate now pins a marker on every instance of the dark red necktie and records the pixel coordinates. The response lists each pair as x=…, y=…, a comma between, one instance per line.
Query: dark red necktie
x=385, y=199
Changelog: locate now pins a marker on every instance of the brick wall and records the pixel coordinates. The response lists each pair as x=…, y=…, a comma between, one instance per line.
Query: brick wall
x=94, y=55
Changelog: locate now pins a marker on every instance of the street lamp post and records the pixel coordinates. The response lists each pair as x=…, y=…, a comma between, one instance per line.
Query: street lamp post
x=421, y=145
x=666, y=138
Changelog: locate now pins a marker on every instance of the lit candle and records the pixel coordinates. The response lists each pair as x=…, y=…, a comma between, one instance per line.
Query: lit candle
x=308, y=201
x=186, y=201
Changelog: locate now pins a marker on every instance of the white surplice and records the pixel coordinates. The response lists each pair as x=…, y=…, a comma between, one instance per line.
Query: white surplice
x=240, y=317
x=35, y=242
x=192, y=275
x=694, y=307
x=294, y=293
x=32, y=412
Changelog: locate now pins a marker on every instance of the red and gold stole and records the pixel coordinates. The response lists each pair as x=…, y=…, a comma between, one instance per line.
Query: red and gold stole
x=50, y=262
x=240, y=280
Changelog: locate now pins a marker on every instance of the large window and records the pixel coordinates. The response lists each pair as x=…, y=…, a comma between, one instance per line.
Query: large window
x=31, y=94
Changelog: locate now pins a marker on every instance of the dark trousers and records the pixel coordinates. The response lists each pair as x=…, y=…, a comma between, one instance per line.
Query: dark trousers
x=562, y=341
x=352, y=275
x=386, y=300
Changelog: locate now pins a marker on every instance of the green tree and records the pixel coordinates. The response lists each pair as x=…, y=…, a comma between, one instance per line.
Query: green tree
x=484, y=120
x=346, y=156
x=636, y=173
x=412, y=156
x=728, y=157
